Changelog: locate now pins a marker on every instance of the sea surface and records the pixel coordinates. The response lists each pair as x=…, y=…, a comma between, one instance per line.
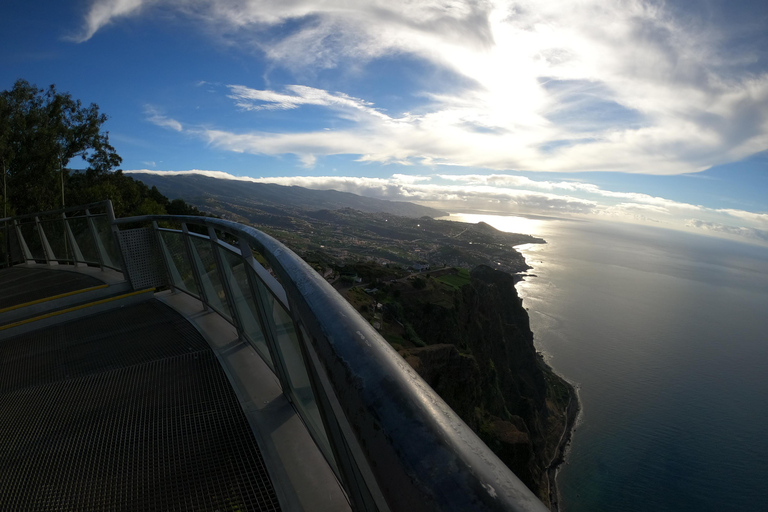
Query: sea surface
x=665, y=334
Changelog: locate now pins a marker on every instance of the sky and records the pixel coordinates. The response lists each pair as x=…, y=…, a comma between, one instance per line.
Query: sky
x=631, y=111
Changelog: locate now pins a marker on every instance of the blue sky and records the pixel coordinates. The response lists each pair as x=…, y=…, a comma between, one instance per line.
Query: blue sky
x=635, y=111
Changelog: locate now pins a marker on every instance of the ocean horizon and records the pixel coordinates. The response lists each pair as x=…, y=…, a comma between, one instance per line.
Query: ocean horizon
x=664, y=335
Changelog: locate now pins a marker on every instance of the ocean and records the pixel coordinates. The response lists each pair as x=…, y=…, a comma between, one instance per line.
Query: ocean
x=665, y=335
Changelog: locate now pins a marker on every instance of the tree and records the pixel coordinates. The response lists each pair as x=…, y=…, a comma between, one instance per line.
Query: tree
x=5, y=148
x=42, y=131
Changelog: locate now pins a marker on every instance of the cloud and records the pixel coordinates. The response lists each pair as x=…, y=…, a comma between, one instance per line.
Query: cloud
x=103, y=13
x=409, y=188
x=757, y=218
x=514, y=195
x=760, y=235
x=595, y=85
x=154, y=117
x=659, y=203
x=255, y=99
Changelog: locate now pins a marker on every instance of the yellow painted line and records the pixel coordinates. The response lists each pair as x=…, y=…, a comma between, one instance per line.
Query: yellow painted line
x=74, y=308
x=46, y=299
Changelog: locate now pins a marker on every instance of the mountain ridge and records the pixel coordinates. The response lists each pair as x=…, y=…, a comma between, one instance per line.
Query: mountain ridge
x=197, y=188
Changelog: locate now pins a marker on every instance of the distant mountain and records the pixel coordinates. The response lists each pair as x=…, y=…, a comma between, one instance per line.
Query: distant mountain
x=197, y=189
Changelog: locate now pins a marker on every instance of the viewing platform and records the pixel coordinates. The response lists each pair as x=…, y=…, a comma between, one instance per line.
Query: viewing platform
x=191, y=363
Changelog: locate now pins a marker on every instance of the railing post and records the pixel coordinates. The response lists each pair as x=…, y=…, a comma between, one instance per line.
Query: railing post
x=164, y=255
x=95, y=236
x=77, y=254
x=267, y=326
x=115, y=236
x=23, y=243
x=50, y=258
x=225, y=281
x=193, y=261
x=359, y=481
x=6, y=244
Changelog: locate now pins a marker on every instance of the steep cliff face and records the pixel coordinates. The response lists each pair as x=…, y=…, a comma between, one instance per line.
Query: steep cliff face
x=481, y=359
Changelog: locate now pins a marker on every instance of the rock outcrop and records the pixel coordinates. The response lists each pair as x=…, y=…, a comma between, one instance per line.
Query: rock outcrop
x=481, y=359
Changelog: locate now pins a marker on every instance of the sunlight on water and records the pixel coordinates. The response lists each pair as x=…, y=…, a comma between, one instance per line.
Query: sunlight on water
x=509, y=224
x=664, y=334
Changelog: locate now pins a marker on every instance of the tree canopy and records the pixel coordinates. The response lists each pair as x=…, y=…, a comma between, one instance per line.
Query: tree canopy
x=41, y=133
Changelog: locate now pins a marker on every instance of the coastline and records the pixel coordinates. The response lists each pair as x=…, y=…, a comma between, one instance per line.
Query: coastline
x=571, y=412
x=572, y=415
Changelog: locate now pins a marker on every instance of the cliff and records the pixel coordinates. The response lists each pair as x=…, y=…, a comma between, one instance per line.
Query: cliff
x=469, y=337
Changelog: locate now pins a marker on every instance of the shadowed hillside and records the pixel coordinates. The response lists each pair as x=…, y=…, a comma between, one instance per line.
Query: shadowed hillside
x=199, y=189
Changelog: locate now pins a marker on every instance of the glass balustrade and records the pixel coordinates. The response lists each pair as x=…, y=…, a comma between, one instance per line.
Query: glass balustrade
x=180, y=267
x=202, y=255
x=252, y=296
x=83, y=236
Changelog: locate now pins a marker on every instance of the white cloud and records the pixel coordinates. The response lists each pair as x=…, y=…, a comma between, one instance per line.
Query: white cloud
x=102, y=13
x=760, y=219
x=154, y=117
x=552, y=198
x=760, y=235
x=593, y=85
x=572, y=186
x=255, y=99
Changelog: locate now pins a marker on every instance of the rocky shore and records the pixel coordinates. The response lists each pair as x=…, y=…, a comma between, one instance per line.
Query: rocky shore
x=572, y=413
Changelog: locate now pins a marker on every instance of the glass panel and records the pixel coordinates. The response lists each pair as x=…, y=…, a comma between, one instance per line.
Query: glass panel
x=32, y=237
x=184, y=277
x=54, y=233
x=264, y=263
x=4, y=254
x=104, y=233
x=214, y=291
x=84, y=239
x=244, y=304
x=325, y=444
x=290, y=352
x=16, y=256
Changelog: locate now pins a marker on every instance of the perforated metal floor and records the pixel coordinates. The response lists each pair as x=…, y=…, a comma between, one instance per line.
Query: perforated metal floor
x=127, y=410
x=19, y=285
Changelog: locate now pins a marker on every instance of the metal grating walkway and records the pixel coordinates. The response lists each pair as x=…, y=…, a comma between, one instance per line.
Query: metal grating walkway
x=126, y=410
x=20, y=285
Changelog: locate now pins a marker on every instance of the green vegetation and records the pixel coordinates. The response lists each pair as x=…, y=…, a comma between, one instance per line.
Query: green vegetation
x=41, y=132
x=466, y=333
x=455, y=280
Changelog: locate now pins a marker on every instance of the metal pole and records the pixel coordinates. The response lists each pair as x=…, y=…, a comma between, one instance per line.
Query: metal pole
x=61, y=167
x=5, y=192
x=225, y=282
x=262, y=313
x=95, y=237
x=163, y=253
x=196, y=271
x=6, y=237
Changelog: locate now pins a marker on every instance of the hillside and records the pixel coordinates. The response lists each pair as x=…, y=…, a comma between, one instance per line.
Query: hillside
x=467, y=334
x=200, y=190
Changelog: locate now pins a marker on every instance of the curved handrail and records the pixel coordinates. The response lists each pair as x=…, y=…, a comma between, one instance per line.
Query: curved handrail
x=101, y=204
x=421, y=455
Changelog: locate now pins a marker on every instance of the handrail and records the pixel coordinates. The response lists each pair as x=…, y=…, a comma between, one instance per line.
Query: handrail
x=45, y=244
x=395, y=443
x=61, y=210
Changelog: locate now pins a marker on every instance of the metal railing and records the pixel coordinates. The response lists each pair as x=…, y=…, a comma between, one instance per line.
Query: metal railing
x=394, y=444
x=80, y=235
x=392, y=441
